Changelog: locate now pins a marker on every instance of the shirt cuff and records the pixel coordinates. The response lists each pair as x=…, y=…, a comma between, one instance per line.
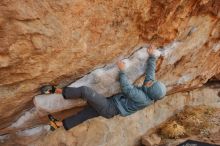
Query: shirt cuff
x=121, y=72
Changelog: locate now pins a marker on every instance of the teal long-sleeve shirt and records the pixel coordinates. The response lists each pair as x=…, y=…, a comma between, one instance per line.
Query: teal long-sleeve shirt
x=133, y=98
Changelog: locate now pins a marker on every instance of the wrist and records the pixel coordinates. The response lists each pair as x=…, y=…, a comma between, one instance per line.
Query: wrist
x=156, y=53
x=121, y=71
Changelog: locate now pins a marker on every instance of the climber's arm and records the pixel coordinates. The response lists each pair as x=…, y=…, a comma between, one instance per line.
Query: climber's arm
x=126, y=85
x=151, y=65
x=128, y=88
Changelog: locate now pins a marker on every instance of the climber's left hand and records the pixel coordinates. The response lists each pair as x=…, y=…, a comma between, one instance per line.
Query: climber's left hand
x=121, y=65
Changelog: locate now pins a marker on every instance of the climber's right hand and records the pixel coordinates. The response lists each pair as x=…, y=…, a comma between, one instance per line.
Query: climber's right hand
x=151, y=49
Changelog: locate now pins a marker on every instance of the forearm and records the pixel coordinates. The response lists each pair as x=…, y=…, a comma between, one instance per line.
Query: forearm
x=130, y=90
x=150, y=68
x=126, y=85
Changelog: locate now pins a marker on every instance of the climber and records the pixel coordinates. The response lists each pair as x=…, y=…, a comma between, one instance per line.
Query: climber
x=130, y=100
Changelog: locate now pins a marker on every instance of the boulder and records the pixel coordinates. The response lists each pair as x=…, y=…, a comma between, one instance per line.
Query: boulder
x=54, y=42
x=76, y=41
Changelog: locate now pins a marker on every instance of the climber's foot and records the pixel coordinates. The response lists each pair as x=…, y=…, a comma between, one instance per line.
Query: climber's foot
x=48, y=89
x=53, y=123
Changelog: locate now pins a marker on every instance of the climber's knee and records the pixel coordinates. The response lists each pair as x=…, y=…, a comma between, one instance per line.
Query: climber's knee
x=106, y=115
x=108, y=112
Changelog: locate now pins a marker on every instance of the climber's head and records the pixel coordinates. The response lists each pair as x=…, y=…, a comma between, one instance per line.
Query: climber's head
x=156, y=91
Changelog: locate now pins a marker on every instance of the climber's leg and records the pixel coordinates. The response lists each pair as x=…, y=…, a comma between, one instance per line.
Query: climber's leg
x=72, y=92
x=54, y=123
x=104, y=106
x=74, y=120
x=98, y=106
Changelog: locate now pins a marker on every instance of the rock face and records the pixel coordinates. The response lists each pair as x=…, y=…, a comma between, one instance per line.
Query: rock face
x=57, y=42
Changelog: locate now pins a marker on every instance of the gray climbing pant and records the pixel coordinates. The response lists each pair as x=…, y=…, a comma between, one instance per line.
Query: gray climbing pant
x=98, y=105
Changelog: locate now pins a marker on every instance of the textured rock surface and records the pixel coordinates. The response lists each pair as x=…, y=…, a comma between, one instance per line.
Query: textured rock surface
x=151, y=140
x=111, y=132
x=59, y=41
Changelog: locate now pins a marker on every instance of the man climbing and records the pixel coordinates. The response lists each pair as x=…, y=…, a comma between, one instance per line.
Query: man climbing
x=130, y=100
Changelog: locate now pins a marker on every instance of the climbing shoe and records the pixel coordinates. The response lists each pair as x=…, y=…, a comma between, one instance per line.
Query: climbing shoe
x=53, y=125
x=47, y=89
